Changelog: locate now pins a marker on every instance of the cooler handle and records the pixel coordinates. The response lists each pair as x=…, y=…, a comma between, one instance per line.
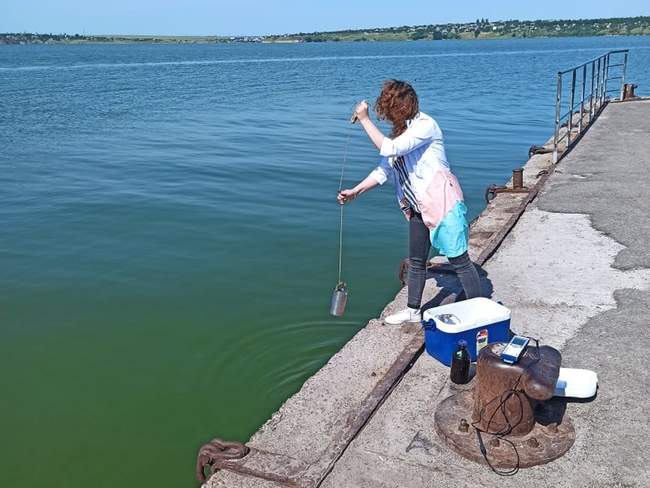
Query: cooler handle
x=429, y=324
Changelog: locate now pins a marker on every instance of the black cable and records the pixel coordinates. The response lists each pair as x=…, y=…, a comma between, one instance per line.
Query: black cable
x=500, y=435
x=481, y=446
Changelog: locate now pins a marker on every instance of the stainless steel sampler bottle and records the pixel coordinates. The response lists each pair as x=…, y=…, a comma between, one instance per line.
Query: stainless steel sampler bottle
x=339, y=300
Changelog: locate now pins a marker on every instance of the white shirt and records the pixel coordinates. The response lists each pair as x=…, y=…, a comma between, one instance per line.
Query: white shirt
x=423, y=149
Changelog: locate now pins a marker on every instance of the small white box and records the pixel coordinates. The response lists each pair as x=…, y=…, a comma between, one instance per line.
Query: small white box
x=576, y=383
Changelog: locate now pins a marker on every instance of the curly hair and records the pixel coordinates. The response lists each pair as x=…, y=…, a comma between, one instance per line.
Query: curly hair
x=397, y=103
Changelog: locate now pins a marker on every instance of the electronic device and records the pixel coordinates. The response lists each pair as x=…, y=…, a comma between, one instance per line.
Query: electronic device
x=514, y=350
x=448, y=318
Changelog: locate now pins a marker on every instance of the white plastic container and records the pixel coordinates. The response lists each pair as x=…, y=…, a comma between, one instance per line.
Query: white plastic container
x=479, y=321
x=576, y=383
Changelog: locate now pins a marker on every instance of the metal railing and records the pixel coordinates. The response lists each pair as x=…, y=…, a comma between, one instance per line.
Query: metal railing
x=591, y=81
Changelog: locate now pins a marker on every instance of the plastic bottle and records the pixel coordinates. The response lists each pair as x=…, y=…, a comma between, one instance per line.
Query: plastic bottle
x=459, y=373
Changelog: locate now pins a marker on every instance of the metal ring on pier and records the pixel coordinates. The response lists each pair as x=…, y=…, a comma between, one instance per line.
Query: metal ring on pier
x=490, y=193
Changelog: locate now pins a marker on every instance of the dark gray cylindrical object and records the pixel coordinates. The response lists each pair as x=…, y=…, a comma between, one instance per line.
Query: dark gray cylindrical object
x=518, y=178
x=339, y=300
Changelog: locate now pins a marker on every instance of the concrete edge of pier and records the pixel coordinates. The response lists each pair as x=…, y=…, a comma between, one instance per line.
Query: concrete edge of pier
x=315, y=436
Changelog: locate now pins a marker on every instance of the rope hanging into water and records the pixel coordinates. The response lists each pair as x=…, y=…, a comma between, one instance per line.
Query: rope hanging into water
x=345, y=156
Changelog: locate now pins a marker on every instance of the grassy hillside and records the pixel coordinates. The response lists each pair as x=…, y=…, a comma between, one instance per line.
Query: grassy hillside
x=480, y=29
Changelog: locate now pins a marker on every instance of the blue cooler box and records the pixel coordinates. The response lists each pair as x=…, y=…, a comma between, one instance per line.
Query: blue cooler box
x=480, y=321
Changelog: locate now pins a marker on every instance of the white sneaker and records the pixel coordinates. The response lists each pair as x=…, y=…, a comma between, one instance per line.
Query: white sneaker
x=406, y=315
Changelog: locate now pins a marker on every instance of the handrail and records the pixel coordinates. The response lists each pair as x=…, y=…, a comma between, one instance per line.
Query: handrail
x=616, y=51
x=590, y=104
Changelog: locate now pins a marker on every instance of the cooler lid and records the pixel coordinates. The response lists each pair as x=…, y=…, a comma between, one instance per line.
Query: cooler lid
x=468, y=314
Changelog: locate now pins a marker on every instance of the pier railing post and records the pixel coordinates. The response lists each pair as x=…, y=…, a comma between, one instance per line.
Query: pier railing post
x=605, y=76
x=558, y=103
x=582, y=98
x=571, y=106
x=598, y=86
x=623, y=76
x=591, y=97
x=602, y=82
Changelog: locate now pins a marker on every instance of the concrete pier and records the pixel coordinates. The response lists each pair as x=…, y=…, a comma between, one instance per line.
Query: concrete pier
x=574, y=270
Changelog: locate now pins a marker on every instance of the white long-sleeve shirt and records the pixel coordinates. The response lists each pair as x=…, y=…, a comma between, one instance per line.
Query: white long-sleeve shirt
x=422, y=147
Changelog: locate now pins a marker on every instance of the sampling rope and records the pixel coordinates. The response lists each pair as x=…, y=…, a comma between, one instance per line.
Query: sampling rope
x=345, y=156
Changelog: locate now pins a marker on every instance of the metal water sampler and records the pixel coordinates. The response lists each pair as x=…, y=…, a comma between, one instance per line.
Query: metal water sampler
x=340, y=293
x=339, y=300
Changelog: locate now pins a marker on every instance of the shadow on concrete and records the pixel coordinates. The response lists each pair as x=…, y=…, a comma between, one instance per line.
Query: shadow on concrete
x=582, y=400
x=551, y=411
x=450, y=287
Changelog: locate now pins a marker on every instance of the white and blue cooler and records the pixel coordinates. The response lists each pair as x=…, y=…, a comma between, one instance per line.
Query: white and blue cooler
x=479, y=321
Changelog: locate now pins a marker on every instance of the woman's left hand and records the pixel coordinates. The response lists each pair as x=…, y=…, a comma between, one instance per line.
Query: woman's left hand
x=345, y=196
x=361, y=111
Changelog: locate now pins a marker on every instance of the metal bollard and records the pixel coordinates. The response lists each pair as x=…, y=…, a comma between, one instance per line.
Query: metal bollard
x=518, y=178
x=628, y=91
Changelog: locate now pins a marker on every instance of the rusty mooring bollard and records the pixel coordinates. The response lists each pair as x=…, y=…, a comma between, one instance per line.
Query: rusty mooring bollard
x=517, y=186
x=518, y=178
x=628, y=91
x=506, y=431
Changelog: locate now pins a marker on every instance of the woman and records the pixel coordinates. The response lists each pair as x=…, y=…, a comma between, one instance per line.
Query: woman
x=413, y=159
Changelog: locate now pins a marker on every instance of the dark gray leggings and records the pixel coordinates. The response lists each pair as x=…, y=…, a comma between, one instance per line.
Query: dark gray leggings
x=419, y=247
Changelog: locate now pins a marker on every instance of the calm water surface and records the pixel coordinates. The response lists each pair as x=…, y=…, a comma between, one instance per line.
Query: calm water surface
x=169, y=229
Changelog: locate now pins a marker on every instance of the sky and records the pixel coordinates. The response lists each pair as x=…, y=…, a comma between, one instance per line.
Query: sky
x=259, y=17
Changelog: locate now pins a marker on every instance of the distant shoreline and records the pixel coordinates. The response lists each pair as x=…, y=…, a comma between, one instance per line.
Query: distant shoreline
x=480, y=29
x=154, y=40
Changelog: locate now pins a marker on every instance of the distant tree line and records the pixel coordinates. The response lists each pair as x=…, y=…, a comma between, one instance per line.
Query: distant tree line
x=482, y=28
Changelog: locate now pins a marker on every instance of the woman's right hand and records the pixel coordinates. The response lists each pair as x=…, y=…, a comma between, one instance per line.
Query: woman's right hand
x=361, y=111
x=345, y=196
